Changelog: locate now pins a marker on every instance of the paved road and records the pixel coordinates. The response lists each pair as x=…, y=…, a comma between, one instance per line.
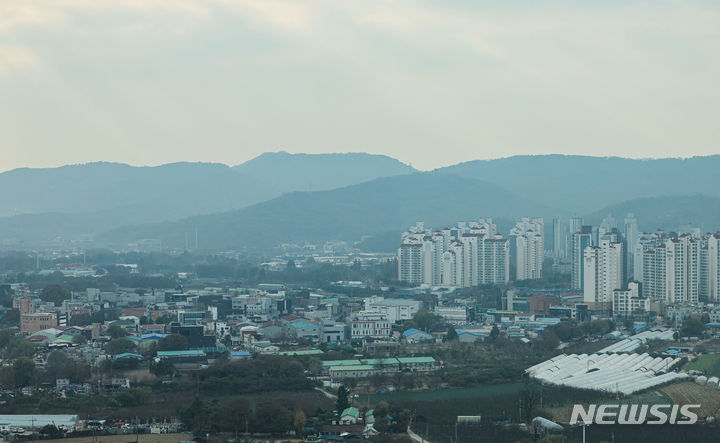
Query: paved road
x=327, y=394
x=416, y=437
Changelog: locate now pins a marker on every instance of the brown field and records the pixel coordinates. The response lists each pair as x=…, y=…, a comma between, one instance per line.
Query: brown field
x=692, y=393
x=143, y=438
x=678, y=393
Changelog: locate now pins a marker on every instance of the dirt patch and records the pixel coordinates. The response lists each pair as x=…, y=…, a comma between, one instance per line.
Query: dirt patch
x=693, y=393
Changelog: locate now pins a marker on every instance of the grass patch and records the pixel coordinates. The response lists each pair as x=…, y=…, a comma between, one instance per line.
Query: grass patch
x=447, y=394
x=706, y=363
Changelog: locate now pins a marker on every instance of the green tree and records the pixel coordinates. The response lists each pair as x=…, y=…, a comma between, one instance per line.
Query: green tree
x=162, y=368
x=119, y=346
x=494, y=332
x=23, y=372
x=19, y=347
x=342, y=402
x=425, y=321
x=54, y=293
x=56, y=363
x=51, y=431
x=299, y=422
x=548, y=340
x=380, y=413
x=692, y=327
x=79, y=339
x=451, y=334
x=116, y=331
x=173, y=342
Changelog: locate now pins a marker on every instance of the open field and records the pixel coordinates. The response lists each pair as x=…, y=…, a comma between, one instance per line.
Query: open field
x=678, y=393
x=709, y=364
x=703, y=363
x=142, y=438
x=445, y=394
x=692, y=393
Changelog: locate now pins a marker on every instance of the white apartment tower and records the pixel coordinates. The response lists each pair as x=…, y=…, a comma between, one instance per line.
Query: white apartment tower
x=672, y=270
x=710, y=268
x=631, y=238
x=580, y=240
x=410, y=261
x=528, y=248
x=603, y=270
x=559, y=239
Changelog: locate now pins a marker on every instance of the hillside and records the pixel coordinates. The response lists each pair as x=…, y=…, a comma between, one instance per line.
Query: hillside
x=320, y=172
x=666, y=212
x=581, y=184
x=152, y=193
x=378, y=206
x=46, y=204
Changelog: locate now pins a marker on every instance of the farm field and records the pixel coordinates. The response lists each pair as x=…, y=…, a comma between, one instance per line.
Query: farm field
x=692, y=393
x=142, y=438
x=709, y=364
x=445, y=394
x=678, y=393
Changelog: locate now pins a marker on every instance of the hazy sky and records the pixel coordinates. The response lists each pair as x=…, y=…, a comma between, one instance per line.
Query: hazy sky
x=428, y=82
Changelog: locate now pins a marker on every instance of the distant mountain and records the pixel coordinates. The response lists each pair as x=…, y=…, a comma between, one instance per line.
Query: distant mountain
x=381, y=205
x=320, y=172
x=38, y=205
x=582, y=184
x=666, y=212
x=151, y=193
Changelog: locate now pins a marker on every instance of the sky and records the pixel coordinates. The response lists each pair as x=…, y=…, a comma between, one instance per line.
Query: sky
x=429, y=82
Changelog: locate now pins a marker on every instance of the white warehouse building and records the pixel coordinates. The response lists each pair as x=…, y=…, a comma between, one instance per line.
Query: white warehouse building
x=394, y=309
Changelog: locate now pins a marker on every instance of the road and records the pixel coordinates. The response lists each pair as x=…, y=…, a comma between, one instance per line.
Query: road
x=327, y=394
x=416, y=437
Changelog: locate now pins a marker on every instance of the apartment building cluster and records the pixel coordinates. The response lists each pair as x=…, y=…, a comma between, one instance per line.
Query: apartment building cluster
x=470, y=253
x=667, y=267
x=680, y=268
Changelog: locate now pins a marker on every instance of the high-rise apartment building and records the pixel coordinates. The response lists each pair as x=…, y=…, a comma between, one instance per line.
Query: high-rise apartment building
x=410, y=261
x=631, y=238
x=672, y=270
x=710, y=268
x=559, y=238
x=603, y=272
x=580, y=240
x=527, y=248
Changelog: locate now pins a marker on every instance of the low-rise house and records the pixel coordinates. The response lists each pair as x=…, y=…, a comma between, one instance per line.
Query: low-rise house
x=417, y=364
x=350, y=416
x=187, y=356
x=273, y=330
x=239, y=355
x=332, y=332
x=303, y=329
x=383, y=364
x=467, y=336
x=417, y=336
x=359, y=371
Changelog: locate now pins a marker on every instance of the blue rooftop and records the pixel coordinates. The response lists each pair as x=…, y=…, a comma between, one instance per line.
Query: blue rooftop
x=129, y=355
x=413, y=331
x=302, y=324
x=240, y=354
